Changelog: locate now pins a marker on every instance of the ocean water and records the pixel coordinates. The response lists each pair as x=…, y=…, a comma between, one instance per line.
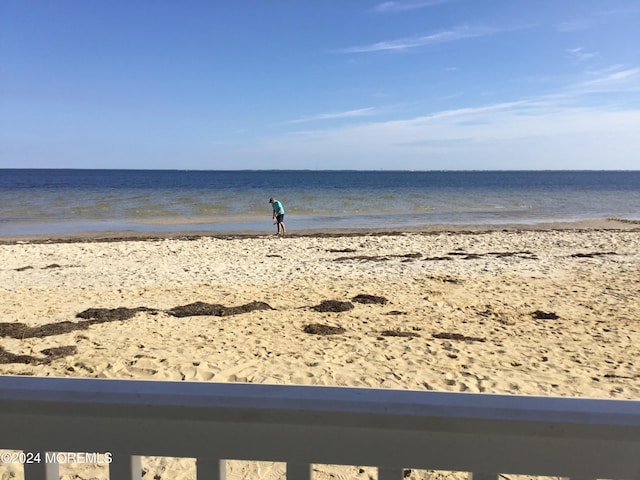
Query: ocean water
x=34, y=201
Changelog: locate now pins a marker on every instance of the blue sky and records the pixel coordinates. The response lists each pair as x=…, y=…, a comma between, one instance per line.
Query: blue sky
x=331, y=84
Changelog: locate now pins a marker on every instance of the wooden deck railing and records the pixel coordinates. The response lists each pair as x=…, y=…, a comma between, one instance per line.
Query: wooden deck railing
x=392, y=429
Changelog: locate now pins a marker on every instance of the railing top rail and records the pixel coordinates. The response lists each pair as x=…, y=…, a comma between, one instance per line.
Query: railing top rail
x=153, y=395
x=318, y=424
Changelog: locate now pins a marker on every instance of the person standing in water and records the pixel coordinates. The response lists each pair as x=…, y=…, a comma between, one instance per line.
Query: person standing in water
x=278, y=214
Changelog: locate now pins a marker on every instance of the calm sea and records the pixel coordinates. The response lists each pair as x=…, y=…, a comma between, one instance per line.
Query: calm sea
x=36, y=201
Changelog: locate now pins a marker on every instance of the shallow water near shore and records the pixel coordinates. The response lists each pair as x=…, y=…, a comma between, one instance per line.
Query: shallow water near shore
x=67, y=201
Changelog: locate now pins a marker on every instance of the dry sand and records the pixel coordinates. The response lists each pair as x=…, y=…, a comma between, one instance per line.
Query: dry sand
x=535, y=311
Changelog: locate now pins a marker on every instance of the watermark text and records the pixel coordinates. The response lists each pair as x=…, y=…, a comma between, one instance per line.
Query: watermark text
x=26, y=458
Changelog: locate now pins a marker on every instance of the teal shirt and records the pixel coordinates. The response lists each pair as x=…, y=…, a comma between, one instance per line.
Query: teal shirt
x=278, y=209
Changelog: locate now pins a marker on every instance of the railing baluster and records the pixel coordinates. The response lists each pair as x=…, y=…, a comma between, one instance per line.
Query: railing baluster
x=386, y=473
x=42, y=470
x=125, y=467
x=211, y=469
x=299, y=471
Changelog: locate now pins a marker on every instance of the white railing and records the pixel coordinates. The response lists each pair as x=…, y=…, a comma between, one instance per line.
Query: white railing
x=301, y=425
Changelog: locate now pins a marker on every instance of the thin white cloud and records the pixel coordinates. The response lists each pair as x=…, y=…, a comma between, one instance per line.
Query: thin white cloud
x=564, y=103
x=612, y=80
x=606, y=71
x=579, y=54
x=360, y=112
x=566, y=129
x=388, y=7
x=616, y=77
x=578, y=24
x=470, y=112
x=525, y=134
x=455, y=34
x=573, y=25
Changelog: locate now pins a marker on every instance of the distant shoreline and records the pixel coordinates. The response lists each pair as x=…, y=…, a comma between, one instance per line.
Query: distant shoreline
x=127, y=235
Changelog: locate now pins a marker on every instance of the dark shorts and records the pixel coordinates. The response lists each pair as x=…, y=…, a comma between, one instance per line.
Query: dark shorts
x=280, y=218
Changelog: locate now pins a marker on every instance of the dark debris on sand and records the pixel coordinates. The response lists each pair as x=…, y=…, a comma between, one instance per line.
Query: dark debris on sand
x=369, y=299
x=446, y=279
x=363, y=258
x=540, y=315
x=458, y=336
x=398, y=333
x=54, y=353
x=379, y=258
x=50, y=354
x=319, y=329
x=591, y=255
x=93, y=316
x=8, y=357
x=474, y=256
x=90, y=316
x=99, y=315
x=197, y=309
x=333, y=306
x=19, y=330
x=29, y=267
x=249, y=307
x=526, y=254
x=216, y=310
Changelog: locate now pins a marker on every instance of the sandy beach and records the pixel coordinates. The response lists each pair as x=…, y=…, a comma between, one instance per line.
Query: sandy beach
x=536, y=310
